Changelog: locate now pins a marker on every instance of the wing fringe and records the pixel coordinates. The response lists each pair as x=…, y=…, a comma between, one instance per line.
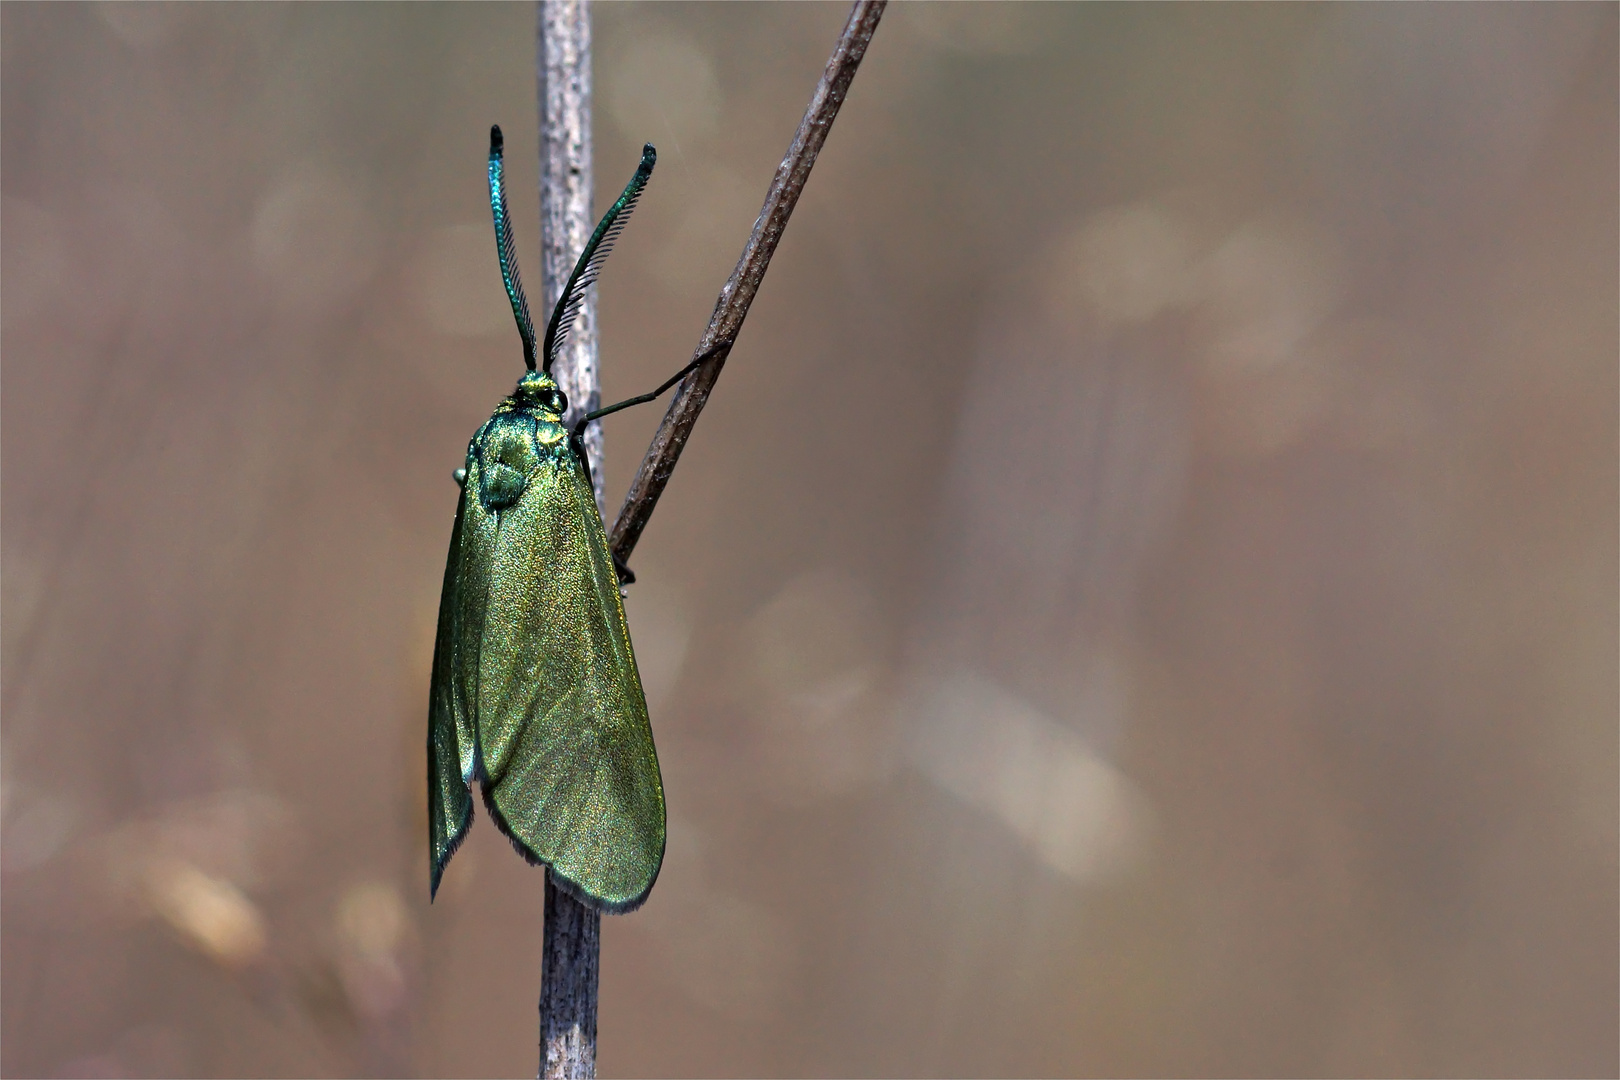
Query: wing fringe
x=456, y=839
x=567, y=885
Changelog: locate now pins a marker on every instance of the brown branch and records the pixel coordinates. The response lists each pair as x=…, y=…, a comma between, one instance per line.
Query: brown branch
x=570, y=967
x=568, y=991
x=738, y=294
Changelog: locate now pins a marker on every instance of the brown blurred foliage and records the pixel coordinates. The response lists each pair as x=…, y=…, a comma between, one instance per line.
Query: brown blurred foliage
x=1142, y=599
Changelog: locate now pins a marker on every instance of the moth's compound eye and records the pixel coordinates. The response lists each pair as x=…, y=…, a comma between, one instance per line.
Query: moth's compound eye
x=537, y=390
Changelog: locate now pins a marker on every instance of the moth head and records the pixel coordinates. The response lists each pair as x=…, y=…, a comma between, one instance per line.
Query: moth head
x=538, y=390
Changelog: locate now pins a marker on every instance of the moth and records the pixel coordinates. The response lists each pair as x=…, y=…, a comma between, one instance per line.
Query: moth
x=535, y=693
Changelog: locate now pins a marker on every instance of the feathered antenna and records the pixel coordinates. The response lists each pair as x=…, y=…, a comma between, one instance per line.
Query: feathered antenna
x=595, y=254
x=506, y=248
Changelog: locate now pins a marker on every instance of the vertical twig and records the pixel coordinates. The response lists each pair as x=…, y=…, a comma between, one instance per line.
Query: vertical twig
x=568, y=983
x=572, y=946
x=563, y=63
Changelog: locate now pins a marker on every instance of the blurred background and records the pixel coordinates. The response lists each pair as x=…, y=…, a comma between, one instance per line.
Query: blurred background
x=1141, y=601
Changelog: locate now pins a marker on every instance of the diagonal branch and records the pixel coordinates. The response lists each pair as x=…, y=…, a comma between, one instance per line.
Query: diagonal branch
x=738, y=294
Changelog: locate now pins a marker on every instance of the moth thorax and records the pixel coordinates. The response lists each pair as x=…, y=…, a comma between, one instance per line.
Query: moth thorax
x=538, y=390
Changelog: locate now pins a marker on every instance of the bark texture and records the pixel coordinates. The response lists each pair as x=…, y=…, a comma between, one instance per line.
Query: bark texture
x=567, y=216
x=568, y=987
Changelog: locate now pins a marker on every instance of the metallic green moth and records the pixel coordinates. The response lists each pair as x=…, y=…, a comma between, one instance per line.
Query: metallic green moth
x=535, y=692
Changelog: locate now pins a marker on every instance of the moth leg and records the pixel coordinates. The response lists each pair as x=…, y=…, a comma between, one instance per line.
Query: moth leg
x=578, y=443
x=626, y=575
x=641, y=399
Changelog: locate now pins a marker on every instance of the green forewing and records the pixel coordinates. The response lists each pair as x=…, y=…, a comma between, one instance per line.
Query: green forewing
x=535, y=689
x=450, y=739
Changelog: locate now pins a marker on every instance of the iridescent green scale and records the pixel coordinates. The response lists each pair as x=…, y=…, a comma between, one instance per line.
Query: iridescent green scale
x=535, y=692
